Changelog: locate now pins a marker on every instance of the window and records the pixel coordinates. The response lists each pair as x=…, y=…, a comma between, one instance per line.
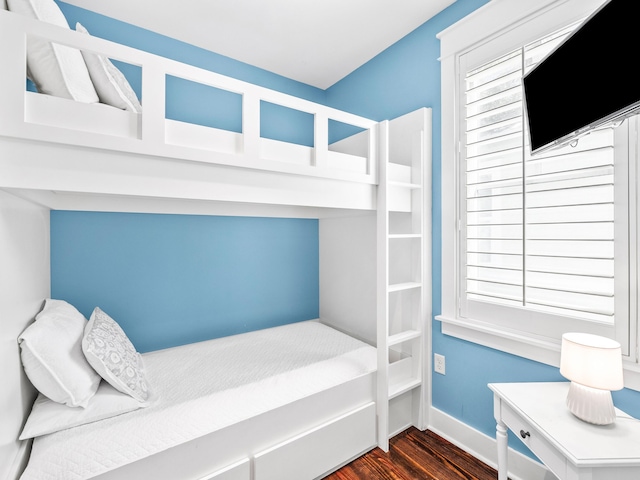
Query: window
x=537, y=232
x=539, y=244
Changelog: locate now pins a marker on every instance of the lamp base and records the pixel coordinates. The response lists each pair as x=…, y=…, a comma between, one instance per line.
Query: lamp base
x=591, y=405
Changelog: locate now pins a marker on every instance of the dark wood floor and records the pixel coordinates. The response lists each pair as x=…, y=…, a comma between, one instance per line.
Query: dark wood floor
x=416, y=455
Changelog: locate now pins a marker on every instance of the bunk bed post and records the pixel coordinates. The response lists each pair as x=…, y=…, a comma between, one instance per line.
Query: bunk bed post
x=373, y=152
x=251, y=126
x=25, y=260
x=154, y=98
x=427, y=261
x=321, y=140
x=382, y=329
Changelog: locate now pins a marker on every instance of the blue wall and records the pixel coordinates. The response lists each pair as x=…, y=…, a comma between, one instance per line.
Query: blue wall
x=175, y=279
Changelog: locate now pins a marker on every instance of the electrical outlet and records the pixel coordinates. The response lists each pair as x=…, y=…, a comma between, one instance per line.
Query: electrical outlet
x=438, y=363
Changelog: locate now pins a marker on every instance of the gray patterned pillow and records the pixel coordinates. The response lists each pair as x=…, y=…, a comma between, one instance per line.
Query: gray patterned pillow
x=110, y=352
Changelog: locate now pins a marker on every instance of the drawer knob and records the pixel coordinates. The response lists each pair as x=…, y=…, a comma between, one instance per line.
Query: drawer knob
x=524, y=434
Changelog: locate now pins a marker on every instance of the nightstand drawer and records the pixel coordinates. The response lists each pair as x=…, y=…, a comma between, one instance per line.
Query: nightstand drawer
x=550, y=456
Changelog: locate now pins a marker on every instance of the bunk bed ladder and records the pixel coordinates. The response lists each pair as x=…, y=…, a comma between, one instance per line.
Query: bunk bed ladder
x=404, y=273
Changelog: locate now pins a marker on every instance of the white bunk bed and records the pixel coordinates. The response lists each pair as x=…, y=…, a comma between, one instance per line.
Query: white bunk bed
x=58, y=154
x=104, y=151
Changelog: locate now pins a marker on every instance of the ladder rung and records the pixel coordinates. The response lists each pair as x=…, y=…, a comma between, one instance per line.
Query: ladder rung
x=404, y=235
x=402, y=387
x=413, y=186
x=402, y=337
x=396, y=287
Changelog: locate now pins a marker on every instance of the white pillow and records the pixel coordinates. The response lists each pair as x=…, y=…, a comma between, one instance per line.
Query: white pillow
x=51, y=353
x=111, y=85
x=55, y=69
x=110, y=352
x=48, y=417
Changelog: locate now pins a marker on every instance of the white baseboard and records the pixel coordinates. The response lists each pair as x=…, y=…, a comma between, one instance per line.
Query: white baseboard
x=484, y=447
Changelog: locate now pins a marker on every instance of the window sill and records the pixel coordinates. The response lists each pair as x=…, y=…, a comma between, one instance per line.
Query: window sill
x=538, y=349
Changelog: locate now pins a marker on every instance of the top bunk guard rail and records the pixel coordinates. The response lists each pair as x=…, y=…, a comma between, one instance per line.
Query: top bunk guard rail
x=43, y=118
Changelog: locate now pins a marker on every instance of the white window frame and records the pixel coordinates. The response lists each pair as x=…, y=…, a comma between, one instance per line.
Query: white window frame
x=498, y=28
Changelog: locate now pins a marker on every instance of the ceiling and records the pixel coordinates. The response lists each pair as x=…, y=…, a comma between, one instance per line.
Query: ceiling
x=317, y=42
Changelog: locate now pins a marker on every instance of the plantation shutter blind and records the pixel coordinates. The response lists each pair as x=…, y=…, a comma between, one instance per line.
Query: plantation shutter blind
x=538, y=231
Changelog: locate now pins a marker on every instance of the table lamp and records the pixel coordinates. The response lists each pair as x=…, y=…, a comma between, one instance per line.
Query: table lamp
x=594, y=366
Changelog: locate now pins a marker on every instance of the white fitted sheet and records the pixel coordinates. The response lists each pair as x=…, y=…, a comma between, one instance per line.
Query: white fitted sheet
x=202, y=387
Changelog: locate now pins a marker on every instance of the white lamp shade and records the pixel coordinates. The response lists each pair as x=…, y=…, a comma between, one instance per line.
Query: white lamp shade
x=592, y=360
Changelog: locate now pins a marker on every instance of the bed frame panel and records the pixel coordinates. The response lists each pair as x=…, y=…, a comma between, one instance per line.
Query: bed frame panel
x=74, y=127
x=238, y=471
x=315, y=452
x=340, y=410
x=60, y=178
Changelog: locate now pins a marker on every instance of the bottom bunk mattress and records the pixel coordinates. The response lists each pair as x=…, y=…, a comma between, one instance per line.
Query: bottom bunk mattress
x=203, y=387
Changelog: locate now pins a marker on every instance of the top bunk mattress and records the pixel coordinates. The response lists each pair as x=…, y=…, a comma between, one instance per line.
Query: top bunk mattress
x=203, y=387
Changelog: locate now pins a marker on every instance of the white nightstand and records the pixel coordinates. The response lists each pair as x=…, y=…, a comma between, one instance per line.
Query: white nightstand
x=569, y=447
